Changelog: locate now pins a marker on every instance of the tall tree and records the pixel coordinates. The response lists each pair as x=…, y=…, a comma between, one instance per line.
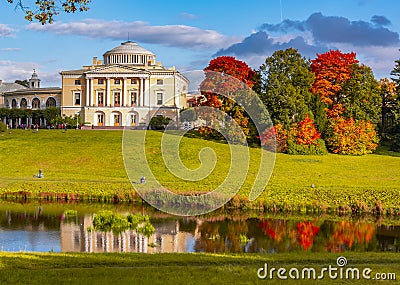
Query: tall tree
x=390, y=104
x=43, y=11
x=396, y=73
x=228, y=67
x=331, y=70
x=284, y=84
x=361, y=95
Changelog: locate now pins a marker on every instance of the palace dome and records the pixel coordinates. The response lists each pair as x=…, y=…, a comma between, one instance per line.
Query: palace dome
x=129, y=53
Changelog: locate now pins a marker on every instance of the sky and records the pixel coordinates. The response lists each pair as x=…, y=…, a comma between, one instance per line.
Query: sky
x=187, y=34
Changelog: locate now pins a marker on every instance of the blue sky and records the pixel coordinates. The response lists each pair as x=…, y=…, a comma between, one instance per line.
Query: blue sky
x=187, y=34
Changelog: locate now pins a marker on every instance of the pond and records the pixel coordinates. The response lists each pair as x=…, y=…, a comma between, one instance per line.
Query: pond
x=45, y=227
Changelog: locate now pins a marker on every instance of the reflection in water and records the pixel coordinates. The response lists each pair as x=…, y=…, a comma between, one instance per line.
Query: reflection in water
x=21, y=230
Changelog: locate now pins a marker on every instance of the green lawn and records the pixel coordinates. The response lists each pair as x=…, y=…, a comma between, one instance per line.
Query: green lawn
x=90, y=163
x=114, y=268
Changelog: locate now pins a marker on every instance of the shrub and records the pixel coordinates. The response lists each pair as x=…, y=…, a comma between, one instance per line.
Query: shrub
x=305, y=132
x=318, y=148
x=3, y=127
x=159, y=122
x=347, y=136
x=304, y=139
x=281, y=136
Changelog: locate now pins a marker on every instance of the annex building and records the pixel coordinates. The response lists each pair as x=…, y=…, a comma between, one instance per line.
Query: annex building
x=126, y=88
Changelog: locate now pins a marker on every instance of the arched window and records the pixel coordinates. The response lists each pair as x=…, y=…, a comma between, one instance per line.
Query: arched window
x=23, y=103
x=14, y=103
x=35, y=103
x=51, y=102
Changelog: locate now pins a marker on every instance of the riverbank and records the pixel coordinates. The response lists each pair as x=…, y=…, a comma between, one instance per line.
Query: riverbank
x=88, y=165
x=84, y=268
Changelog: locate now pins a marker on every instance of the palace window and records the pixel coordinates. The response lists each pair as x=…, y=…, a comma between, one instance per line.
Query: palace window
x=35, y=103
x=133, y=98
x=14, y=103
x=117, y=81
x=100, y=81
x=77, y=98
x=77, y=82
x=51, y=102
x=23, y=103
x=160, y=82
x=117, y=99
x=159, y=98
x=133, y=81
x=100, y=99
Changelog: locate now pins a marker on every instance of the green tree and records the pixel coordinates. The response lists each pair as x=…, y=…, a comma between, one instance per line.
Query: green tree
x=396, y=73
x=390, y=104
x=284, y=87
x=362, y=99
x=43, y=11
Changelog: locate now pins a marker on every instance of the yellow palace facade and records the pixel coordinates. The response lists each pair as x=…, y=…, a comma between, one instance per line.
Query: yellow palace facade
x=125, y=89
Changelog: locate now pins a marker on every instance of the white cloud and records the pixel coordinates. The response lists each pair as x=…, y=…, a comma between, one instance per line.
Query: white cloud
x=6, y=31
x=14, y=70
x=380, y=59
x=169, y=35
x=11, y=49
x=188, y=16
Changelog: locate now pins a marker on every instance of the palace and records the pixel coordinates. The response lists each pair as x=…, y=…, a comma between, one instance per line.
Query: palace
x=125, y=89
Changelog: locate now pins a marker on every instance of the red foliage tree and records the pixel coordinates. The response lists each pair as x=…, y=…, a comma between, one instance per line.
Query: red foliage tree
x=331, y=69
x=305, y=133
x=233, y=67
x=226, y=75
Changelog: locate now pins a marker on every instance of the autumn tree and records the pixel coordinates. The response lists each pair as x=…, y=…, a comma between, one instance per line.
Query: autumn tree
x=305, y=139
x=331, y=70
x=230, y=76
x=353, y=101
x=284, y=87
x=43, y=11
x=349, y=136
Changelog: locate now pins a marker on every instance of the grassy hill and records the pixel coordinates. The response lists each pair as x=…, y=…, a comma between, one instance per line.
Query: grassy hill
x=89, y=164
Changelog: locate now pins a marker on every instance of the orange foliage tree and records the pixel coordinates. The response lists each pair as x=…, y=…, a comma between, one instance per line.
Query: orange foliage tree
x=331, y=70
x=213, y=85
x=305, y=133
x=347, y=136
x=280, y=142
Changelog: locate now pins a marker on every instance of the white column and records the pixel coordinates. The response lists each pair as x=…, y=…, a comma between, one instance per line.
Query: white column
x=108, y=94
x=141, y=92
x=147, y=91
x=125, y=92
x=92, y=95
x=87, y=92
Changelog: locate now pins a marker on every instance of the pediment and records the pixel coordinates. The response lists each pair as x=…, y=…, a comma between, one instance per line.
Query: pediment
x=116, y=68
